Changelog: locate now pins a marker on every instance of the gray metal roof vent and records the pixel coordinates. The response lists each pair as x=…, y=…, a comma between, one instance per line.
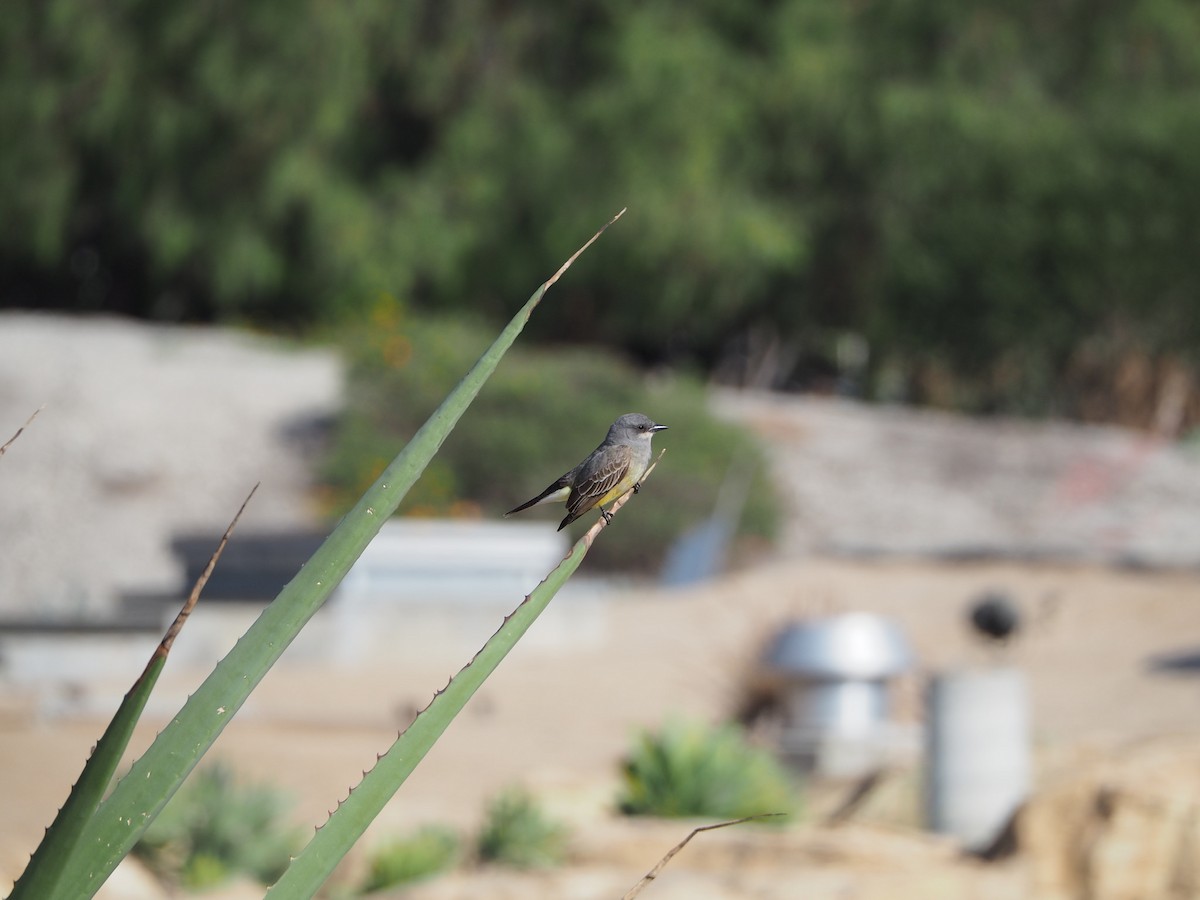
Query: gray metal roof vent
x=858, y=646
x=833, y=676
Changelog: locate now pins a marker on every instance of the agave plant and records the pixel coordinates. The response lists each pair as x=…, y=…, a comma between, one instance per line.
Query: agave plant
x=93, y=832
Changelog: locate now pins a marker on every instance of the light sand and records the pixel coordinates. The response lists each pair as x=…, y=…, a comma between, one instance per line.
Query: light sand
x=560, y=720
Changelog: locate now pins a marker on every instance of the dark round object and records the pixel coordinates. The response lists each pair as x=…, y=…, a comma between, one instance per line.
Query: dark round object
x=995, y=616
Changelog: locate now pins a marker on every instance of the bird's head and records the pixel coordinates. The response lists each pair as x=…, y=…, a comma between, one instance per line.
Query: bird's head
x=634, y=426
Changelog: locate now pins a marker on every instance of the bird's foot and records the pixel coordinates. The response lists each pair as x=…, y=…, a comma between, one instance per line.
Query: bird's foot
x=606, y=515
x=637, y=488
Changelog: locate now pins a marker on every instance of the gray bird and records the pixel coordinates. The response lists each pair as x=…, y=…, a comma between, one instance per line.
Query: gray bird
x=614, y=467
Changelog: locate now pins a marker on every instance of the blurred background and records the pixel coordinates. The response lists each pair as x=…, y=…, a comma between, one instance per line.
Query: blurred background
x=914, y=285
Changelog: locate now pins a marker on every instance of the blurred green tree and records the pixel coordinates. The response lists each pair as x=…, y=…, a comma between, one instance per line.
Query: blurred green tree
x=978, y=189
x=189, y=162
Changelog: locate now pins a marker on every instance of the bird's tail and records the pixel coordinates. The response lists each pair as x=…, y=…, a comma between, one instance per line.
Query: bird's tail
x=556, y=491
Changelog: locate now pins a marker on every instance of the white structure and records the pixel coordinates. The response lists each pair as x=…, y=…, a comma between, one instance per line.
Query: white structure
x=423, y=589
x=418, y=561
x=978, y=746
x=425, y=583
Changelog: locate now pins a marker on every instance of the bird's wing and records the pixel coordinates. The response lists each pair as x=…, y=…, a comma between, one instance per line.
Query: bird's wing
x=596, y=480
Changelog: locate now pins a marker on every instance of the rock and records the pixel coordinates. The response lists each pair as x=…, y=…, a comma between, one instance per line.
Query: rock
x=1125, y=828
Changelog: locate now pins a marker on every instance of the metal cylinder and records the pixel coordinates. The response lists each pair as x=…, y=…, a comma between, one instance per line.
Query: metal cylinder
x=977, y=753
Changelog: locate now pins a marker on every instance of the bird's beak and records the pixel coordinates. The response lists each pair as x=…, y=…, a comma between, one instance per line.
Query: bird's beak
x=659, y=428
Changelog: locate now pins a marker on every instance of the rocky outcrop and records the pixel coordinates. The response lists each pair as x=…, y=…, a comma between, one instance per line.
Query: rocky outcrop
x=1123, y=828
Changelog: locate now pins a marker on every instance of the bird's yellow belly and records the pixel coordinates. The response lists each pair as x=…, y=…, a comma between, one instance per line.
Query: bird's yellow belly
x=619, y=488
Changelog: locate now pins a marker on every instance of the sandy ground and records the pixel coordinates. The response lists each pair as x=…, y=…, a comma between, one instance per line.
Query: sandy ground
x=558, y=720
x=879, y=504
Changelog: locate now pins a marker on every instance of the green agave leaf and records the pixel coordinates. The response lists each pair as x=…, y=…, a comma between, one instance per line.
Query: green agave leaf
x=44, y=874
x=47, y=866
x=139, y=797
x=346, y=824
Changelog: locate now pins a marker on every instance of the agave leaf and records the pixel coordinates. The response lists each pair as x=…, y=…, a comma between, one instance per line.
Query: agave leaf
x=346, y=824
x=139, y=797
x=46, y=868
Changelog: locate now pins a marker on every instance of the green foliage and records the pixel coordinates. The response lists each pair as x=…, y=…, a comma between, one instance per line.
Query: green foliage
x=690, y=770
x=975, y=187
x=431, y=850
x=517, y=833
x=542, y=413
x=183, y=162
x=1024, y=201
x=215, y=827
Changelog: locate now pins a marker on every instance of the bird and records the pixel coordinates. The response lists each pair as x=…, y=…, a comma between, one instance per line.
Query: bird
x=610, y=470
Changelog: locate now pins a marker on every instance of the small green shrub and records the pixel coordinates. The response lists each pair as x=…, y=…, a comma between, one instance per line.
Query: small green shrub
x=203, y=870
x=518, y=833
x=214, y=828
x=541, y=413
x=430, y=850
x=691, y=770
